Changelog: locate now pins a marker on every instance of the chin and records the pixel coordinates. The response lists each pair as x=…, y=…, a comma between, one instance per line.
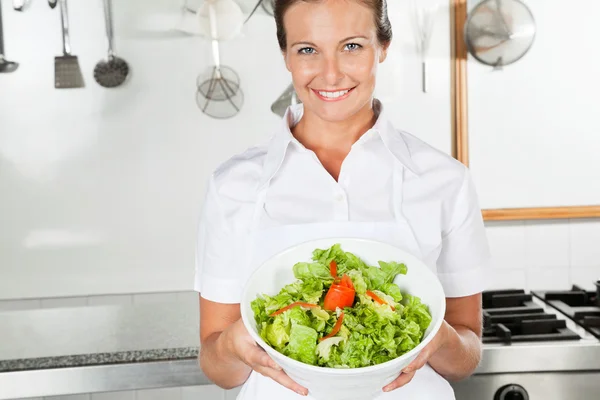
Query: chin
x=335, y=111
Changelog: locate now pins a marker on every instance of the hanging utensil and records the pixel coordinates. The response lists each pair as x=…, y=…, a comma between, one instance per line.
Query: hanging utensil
x=219, y=94
x=499, y=32
x=52, y=3
x=114, y=71
x=19, y=5
x=268, y=6
x=5, y=65
x=422, y=22
x=67, y=73
x=286, y=99
x=229, y=19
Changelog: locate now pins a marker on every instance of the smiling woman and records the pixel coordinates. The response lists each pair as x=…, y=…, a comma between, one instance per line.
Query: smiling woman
x=337, y=167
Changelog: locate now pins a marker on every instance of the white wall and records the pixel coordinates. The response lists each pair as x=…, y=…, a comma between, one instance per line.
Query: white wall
x=534, y=127
x=101, y=189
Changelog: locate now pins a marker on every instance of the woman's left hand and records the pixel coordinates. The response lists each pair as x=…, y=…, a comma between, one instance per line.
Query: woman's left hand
x=409, y=371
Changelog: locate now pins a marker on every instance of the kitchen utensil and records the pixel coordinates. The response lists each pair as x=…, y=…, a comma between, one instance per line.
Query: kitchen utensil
x=500, y=32
x=5, y=65
x=422, y=23
x=114, y=71
x=268, y=6
x=67, y=73
x=218, y=94
x=345, y=383
x=19, y=5
x=52, y=3
x=229, y=19
x=286, y=99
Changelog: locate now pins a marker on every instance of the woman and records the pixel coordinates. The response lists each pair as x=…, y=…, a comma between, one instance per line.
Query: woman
x=337, y=167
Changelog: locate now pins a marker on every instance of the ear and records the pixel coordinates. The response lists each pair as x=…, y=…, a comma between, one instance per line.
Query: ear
x=285, y=59
x=383, y=52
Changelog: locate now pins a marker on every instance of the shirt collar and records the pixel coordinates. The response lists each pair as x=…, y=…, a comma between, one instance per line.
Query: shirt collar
x=279, y=143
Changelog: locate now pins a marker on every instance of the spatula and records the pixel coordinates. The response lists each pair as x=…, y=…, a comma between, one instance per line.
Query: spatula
x=67, y=73
x=5, y=65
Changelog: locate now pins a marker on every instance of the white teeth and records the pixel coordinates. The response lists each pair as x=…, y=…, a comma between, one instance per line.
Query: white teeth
x=333, y=95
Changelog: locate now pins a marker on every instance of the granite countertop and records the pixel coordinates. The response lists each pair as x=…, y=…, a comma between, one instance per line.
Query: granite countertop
x=82, y=360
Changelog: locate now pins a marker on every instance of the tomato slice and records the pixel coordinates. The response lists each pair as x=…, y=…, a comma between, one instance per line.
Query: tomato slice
x=378, y=299
x=333, y=268
x=346, y=281
x=338, y=296
x=336, y=327
x=295, y=304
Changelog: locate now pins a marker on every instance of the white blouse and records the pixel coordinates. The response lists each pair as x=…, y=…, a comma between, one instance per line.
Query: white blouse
x=439, y=202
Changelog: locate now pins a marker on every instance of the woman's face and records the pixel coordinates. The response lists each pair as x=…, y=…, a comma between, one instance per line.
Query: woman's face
x=332, y=52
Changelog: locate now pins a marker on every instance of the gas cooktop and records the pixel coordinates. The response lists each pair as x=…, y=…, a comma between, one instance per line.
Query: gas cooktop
x=581, y=306
x=512, y=316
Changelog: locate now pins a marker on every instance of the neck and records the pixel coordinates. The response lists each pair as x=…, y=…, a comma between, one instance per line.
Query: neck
x=316, y=133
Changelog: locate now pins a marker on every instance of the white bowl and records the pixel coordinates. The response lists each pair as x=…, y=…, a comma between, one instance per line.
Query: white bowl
x=352, y=383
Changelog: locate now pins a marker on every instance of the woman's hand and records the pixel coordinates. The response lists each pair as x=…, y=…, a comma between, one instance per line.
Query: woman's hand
x=409, y=371
x=241, y=345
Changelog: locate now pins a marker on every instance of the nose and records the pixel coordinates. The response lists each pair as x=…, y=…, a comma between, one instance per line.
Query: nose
x=332, y=70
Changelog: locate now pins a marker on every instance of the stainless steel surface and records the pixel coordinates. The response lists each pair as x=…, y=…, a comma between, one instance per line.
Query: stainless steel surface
x=499, y=32
x=5, y=65
x=19, y=5
x=67, y=72
x=552, y=356
x=558, y=370
x=219, y=94
x=539, y=386
x=114, y=71
x=63, y=381
x=90, y=330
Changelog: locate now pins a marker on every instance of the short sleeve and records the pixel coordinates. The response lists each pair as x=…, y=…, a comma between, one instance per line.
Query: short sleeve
x=215, y=279
x=465, y=251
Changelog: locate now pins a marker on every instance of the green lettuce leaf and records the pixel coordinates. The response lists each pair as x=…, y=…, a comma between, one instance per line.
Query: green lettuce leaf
x=303, y=344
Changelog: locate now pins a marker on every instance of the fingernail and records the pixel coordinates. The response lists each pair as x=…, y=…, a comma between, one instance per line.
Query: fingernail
x=277, y=367
x=407, y=370
x=387, y=389
x=301, y=392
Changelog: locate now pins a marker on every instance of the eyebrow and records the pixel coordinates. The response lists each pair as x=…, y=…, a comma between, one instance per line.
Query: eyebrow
x=341, y=41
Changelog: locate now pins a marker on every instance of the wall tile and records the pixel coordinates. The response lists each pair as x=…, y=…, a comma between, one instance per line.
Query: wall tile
x=64, y=302
x=204, y=392
x=585, y=277
x=17, y=305
x=151, y=298
x=111, y=300
x=191, y=297
x=547, y=278
x=159, y=394
x=502, y=278
x=69, y=397
x=547, y=244
x=125, y=395
x=507, y=244
x=585, y=243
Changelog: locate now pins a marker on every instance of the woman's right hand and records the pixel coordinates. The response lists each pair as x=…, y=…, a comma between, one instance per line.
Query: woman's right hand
x=242, y=346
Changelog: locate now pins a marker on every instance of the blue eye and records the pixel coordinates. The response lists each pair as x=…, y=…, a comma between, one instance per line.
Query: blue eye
x=306, y=50
x=353, y=46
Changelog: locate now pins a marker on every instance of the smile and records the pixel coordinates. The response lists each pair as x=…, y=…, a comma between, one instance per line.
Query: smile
x=332, y=95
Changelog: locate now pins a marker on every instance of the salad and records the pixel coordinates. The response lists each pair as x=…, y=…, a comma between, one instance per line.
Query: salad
x=342, y=313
